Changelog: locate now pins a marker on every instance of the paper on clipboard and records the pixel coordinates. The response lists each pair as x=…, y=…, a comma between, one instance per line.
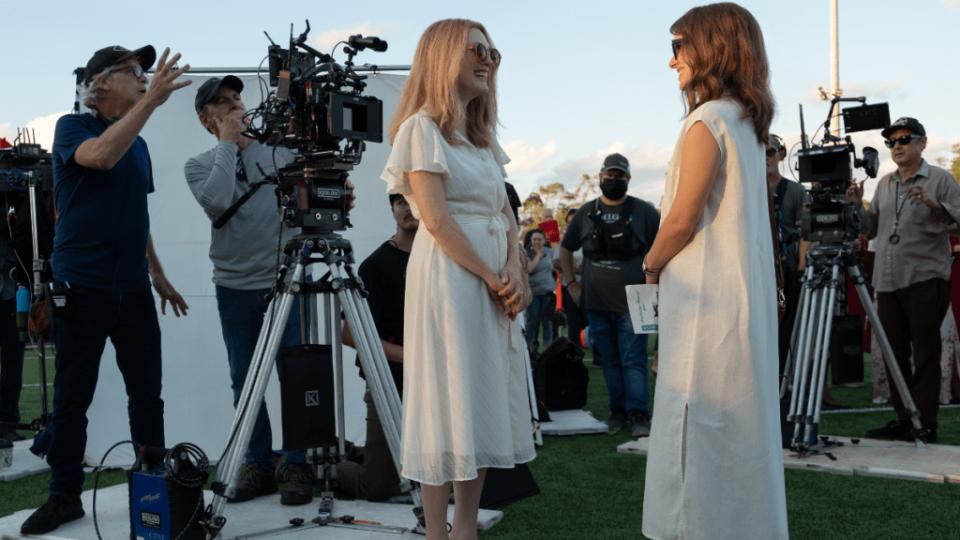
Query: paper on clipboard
x=644, y=304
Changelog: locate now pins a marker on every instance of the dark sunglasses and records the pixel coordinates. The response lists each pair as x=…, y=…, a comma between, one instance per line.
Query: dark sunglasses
x=676, y=44
x=482, y=54
x=772, y=152
x=904, y=141
x=134, y=68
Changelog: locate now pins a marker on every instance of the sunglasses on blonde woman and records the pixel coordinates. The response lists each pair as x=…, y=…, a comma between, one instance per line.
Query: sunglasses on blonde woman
x=482, y=52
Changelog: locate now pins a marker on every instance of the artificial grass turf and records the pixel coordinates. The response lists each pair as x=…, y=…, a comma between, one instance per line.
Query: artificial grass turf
x=589, y=490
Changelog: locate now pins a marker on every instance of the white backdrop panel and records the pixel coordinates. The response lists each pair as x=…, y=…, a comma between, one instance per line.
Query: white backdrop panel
x=196, y=377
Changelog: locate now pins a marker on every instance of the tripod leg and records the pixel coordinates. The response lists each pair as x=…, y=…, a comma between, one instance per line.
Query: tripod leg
x=338, y=380
x=891, y=360
x=793, y=353
x=808, y=316
x=816, y=389
x=806, y=361
x=228, y=473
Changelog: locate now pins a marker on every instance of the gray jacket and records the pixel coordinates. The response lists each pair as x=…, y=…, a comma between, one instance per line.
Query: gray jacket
x=244, y=250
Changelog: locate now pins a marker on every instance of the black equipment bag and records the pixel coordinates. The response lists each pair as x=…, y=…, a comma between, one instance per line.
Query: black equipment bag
x=560, y=378
x=846, y=350
x=307, y=397
x=505, y=486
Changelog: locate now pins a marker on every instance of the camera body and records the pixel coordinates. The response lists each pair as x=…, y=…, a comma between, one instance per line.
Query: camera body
x=318, y=111
x=828, y=170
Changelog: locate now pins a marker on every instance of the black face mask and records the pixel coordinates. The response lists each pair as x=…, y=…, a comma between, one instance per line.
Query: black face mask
x=613, y=188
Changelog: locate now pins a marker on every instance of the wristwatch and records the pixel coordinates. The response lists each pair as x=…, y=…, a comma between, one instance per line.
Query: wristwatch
x=648, y=271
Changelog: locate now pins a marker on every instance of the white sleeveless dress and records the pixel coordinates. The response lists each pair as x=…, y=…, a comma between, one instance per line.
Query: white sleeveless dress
x=715, y=467
x=465, y=403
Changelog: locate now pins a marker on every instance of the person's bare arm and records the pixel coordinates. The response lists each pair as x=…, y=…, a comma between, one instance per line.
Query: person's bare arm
x=532, y=263
x=511, y=276
x=393, y=352
x=699, y=167
x=162, y=285
x=105, y=151
x=802, y=254
x=428, y=191
x=569, y=276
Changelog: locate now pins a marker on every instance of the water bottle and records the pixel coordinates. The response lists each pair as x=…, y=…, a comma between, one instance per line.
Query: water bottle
x=23, y=310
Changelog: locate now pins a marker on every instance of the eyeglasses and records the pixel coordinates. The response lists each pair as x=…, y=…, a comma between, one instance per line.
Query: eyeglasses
x=676, y=44
x=134, y=68
x=481, y=51
x=904, y=141
x=772, y=152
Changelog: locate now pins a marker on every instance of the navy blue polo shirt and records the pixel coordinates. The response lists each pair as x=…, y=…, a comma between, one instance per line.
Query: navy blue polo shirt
x=102, y=220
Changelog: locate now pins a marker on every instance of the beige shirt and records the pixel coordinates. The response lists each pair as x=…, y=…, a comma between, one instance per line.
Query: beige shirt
x=923, y=251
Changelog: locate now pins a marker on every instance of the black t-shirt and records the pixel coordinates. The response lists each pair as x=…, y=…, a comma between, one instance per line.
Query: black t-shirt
x=604, y=282
x=791, y=208
x=384, y=275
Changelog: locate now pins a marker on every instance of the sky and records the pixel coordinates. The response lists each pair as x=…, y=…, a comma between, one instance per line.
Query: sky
x=579, y=79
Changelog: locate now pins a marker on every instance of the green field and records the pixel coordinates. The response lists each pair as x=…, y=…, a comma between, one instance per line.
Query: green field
x=588, y=490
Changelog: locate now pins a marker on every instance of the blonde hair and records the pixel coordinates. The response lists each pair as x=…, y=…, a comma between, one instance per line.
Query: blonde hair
x=433, y=84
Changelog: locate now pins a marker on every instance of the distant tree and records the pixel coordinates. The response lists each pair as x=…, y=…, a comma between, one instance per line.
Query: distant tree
x=555, y=201
x=952, y=164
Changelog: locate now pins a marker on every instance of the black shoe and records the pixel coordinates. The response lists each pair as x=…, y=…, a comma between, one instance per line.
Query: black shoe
x=11, y=436
x=640, y=425
x=297, y=485
x=929, y=436
x=892, y=430
x=58, y=510
x=618, y=419
x=254, y=482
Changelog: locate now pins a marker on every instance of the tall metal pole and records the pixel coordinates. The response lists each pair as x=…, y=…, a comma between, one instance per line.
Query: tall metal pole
x=834, y=68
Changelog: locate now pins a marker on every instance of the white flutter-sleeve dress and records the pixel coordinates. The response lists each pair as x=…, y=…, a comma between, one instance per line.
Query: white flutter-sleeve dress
x=715, y=467
x=465, y=402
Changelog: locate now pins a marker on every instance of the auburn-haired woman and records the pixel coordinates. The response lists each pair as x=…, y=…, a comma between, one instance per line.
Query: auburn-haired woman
x=465, y=405
x=715, y=468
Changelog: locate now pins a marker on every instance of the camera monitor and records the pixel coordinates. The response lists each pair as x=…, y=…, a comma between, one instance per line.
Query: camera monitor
x=866, y=117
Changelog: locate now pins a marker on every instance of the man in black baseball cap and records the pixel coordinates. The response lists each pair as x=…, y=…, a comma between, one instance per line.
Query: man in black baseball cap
x=914, y=211
x=242, y=252
x=111, y=56
x=104, y=258
x=615, y=231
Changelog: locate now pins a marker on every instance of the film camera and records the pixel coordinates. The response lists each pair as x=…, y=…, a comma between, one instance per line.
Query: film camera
x=319, y=111
x=828, y=169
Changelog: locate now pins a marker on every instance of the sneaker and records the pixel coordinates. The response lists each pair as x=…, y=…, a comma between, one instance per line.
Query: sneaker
x=297, y=485
x=254, y=482
x=12, y=436
x=929, y=437
x=618, y=419
x=892, y=430
x=58, y=510
x=640, y=424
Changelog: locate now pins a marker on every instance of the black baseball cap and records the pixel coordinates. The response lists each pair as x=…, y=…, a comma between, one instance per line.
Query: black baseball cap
x=111, y=56
x=616, y=161
x=209, y=89
x=905, y=122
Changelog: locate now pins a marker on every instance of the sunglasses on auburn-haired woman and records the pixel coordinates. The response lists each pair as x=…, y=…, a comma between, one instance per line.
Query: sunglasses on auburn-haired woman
x=676, y=44
x=482, y=52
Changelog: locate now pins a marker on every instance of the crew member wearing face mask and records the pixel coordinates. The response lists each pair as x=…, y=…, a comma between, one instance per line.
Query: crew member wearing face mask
x=615, y=231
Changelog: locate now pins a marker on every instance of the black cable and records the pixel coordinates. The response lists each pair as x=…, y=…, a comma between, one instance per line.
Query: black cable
x=96, y=484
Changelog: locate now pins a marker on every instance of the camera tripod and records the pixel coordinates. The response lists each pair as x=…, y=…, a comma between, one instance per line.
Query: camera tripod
x=341, y=290
x=811, y=331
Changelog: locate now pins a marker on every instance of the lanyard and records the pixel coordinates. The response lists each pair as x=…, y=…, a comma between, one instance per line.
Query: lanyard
x=894, y=238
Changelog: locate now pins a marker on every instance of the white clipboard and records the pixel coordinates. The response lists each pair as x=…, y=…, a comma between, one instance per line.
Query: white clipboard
x=644, y=304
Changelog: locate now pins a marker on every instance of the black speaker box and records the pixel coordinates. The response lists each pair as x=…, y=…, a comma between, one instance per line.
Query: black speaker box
x=307, y=397
x=846, y=350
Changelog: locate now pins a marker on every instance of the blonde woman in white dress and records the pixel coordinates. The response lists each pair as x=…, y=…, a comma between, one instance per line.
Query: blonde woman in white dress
x=715, y=468
x=465, y=405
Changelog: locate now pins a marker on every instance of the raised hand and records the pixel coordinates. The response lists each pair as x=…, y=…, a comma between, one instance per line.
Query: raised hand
x=855, y=193
x=164, y=79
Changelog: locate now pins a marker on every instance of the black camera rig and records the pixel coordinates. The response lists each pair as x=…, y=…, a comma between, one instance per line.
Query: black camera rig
x=828, y=169
x=318, y=111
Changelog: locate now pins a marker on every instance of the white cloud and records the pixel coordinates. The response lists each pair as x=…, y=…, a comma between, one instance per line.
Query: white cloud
x=325, y=41
x=525, y=157
x=43, y=127
x=951, y=3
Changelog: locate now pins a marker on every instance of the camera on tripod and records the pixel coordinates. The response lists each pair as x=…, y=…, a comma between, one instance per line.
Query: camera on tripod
x=319, y=111
x=23, y=161
x=828, y=168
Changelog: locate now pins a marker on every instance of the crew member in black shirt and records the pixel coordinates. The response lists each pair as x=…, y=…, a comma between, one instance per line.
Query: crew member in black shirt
x=384, y=275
